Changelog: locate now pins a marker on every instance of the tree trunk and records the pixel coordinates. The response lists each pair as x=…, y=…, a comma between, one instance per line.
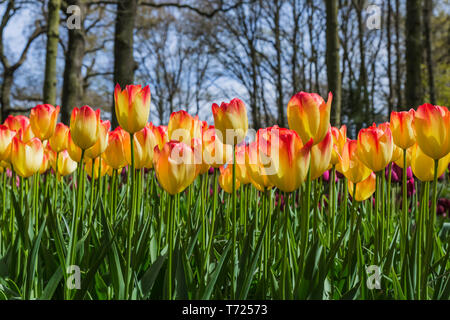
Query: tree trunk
x=8, y=77
x=413, y=92
x=333, y=60
x=389, y=56
x=427, y=12
x=124, y=64
x=52, y=51
x=398, y=79
x=362, y=67
x=73, y=82
x=279, y=71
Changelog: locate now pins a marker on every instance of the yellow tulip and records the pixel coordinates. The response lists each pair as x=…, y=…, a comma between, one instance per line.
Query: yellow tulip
x=97, y=162
x=230, y=121
x=364, y=189
x=375, y=146
x=59, y=140
x=241, y=169
x=309, y=115
x=175, y=166
x=66, y=165
x=43, y=120
x=350, y=166
x=339, y=138
x=183, y=127
x=26, y=157
x=73, y=150
x=423, y=166
x=215, y=153
x=321, y=156
x=399, y=161
x=132, y=107
x=144, y=143
x=432, y=125
x=102, y=142
x=6, y=137
x=114, y=154
x=402, y=127
x=226, y=178
x=85, y=126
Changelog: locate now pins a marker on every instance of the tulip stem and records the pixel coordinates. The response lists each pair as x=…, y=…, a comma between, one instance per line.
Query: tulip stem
x=211, y=233
x=285, y=245
x=233, y=280
x=404, y=207
x=331, y=202
x=131, y=220
x=305, y=219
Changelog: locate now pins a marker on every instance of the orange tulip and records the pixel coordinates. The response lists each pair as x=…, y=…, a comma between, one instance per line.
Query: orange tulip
x=364, y=189
x=175, y=166
x=423, y=166
x=73, y=150
x=114, y=154
x=66, y=165
x=230, y=121
x=144, y=143
x=321, y=156
x=432, y=125
x=375, y=146
x=309, y=115
x=85, y=126
x=350, y=166
x=215, y=153
x=132, y=107
x=26, y=157
x=255, y=167
x=288, y=160
x=99, y=147
x=97, y=162
x=402, y=127
x=43, y=120
x=59, y=140
x=226, y=178
x=339, y=139
x=183, y=127
x=6, y=137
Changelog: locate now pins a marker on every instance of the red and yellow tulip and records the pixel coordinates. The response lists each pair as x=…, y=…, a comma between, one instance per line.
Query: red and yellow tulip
x=26, y=157
x=102, y=142
x=132, y=107
x=226, y=178
x=375, y=146
x=114, y=154
x=402, y=127
x=230, y=121
x=339, y=139
x=350, y=166
x=422, y=165
x=321, y=156
x=59, y=140
x=43, y=119
x=66, y=165
x=85, y=126
x=364, y=189
x=309, y=115
x=6, y=137
x=183, y=127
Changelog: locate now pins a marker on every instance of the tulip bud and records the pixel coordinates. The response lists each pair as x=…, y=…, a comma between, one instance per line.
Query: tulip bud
x=321, y=156
x=85, y=126
x=423, y=166
x=59, y=140
x=364, y=189
x=230, y=121
x=226, y=178
x=99, y=147
x=114, y=154
x=432, y=125
x=375, y=146
x=350, y=166
x=26, y=157
x=402, y=127
x=309, y=115
x=66, y=165
x=43, y=120
x=132, y=107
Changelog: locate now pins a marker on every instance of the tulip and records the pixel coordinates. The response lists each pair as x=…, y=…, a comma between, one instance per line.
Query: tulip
x=160, y=133
x=339, y=138
x=66, y=165
x=49, y=159
x=43, y=120
x=183, y=127
x=375, y=146
x=432, y=125
x=73, y=150
x=399, y=161
x=289, y=159
x=26, y=157
x=309, y=115
x=321, y=156
x=364, y=189
x=175, y=166
x=350, y=166
x=85, y=126
x=97, y=162
x=397, y=153
x=241, y=169
x=59, y=140
x=226, y=179
x=255, y=168
x=215, y=153
x=144, y=143
x=423, y=165
x=230, y=120
x=114, y=154
x=99, y=147
x=6, y=137
x=132, y=106
x=402, y=127
x=21, y=125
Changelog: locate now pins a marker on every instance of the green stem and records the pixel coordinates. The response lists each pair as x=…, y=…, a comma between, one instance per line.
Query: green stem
x=233, y=279
x=131, y=220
